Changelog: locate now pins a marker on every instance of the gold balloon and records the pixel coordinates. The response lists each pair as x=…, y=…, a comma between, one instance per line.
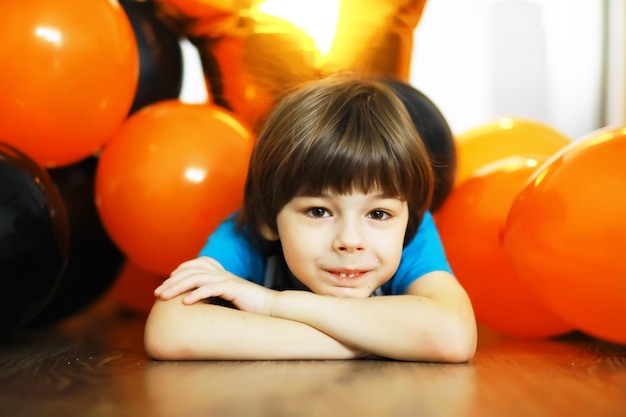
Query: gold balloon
x=252, y=51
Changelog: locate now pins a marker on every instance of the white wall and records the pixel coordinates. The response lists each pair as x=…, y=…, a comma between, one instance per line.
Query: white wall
x=615, y=97
x=193, y=89
x=483, y=59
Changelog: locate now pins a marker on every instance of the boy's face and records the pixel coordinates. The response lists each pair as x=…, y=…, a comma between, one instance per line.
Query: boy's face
x=343, y=245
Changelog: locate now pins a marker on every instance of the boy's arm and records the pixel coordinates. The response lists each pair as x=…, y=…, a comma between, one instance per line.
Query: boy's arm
x=432, y=322
x=176, y=331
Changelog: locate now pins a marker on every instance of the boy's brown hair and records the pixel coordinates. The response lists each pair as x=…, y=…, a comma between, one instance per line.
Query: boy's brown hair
x=341, y=134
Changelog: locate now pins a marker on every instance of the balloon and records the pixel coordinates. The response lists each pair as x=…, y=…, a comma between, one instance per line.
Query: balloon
x=253, y=50
x=34, y=239
x=68, y=76
x=134, y=288
x=169, y=176
x=471, y=224
x=503, y=138
x=93, y=260
x=436, y=134
x=565, y=233
x=160, y=55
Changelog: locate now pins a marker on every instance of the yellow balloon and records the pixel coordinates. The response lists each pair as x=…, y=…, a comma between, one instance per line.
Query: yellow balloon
x=252, y=51
x=503, y=138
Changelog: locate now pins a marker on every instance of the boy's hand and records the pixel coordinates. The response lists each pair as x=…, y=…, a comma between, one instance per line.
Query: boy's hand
x=204, y=277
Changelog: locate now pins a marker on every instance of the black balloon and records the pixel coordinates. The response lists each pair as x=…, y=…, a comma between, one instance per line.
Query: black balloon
x=93, y=261
x=436, y=135
x=34, y=239
x=160, y=55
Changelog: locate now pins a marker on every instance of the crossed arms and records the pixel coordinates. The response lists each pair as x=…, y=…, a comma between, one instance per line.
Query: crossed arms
x=432, y=322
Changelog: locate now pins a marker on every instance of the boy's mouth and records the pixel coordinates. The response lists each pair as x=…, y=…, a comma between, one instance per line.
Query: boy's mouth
x=346, y=275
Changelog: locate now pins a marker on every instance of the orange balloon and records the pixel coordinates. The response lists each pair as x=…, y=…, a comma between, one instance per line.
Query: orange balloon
x=68, y=76
x=566, y=234
x=471, y=224
x=168, y=177
x=252, y=50
x=134, y=288
x=503, y=138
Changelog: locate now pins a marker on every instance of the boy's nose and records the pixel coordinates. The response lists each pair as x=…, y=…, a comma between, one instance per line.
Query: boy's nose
x=349, y=237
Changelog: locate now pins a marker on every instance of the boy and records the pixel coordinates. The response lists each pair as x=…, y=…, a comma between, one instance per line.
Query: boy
x=333, y=254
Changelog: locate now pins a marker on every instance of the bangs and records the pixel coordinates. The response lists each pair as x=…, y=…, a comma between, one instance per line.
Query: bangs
x=360, y=159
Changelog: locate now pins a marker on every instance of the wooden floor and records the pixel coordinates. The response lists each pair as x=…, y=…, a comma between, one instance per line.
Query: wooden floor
x=94, y=365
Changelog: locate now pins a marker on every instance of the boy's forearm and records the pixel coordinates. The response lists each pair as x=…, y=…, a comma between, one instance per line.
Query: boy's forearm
x=359, y=321
x=175, y=331
x=402, y=327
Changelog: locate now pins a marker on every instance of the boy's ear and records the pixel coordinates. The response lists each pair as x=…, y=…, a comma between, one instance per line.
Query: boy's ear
x=268, y=233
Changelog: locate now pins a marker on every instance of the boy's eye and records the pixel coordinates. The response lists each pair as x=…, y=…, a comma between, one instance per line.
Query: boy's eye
x=379, y=215
x=317, y=212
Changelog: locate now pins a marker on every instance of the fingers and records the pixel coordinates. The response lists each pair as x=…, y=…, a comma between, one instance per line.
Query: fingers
x=202, y=262
x=187, y=280
x=203, y=278
x=189, y=275
x=185, y=284
x=214, y=289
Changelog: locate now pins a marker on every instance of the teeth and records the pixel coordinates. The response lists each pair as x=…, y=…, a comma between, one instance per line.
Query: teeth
x=350, y=275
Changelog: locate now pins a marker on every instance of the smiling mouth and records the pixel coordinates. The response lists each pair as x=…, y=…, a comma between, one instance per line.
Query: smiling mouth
x=342, y=275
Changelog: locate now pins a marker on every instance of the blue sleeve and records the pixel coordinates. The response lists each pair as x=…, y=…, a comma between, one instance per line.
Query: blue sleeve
x=229, y=247
x=422, y=255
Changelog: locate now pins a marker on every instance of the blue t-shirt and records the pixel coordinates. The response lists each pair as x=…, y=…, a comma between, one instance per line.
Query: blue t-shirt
x=238, y=255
